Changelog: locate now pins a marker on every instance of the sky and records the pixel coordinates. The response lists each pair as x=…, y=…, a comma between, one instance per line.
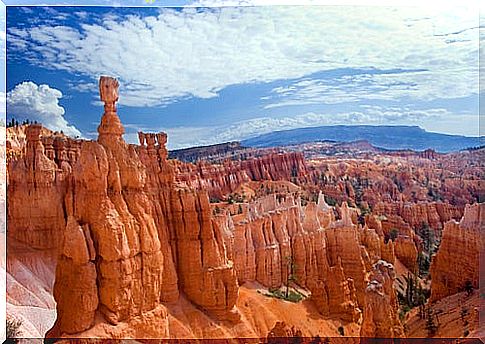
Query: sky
x=207, y=75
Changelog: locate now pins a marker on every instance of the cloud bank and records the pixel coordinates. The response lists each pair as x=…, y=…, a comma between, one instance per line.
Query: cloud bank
x=198, y=52
x=39, y=103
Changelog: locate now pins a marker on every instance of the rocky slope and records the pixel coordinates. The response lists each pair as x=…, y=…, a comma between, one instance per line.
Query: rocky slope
x=221, y=179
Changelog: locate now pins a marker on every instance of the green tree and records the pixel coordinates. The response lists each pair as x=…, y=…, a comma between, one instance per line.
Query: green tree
x=290, y=276
x=431, y=325
x=468, y=287
x=394, y=232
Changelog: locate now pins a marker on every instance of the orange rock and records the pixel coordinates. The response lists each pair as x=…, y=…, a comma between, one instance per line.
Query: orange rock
x=36, y=189
x=457, y=260
x=75, y=283
x=380, y=318
x=406, y=251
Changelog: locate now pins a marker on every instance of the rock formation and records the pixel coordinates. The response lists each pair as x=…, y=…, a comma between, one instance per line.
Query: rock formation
x=221, y=179
x=138, y=246
x=36, y=189
x=406, y=251
x=457, y=260
x=267, y=241
x=380, y=318
x=140, y=237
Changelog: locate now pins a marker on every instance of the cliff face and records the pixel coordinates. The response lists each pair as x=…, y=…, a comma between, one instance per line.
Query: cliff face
x=381, y=308
x=273, y=236
x=415, y=215
x=37, y=185
x=406, y=252
x=124, y=254
x=457, y=260
x=222, y=179
x=135, y=232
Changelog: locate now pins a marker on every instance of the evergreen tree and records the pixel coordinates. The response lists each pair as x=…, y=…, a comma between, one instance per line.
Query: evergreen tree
x=431, y=325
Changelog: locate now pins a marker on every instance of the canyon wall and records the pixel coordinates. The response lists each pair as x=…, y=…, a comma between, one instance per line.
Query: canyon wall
x=273, y=237
x=37, y=184
x=418, y=214
x=222, y=179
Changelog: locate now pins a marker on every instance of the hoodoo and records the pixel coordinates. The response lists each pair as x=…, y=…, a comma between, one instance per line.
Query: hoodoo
x=147, y=246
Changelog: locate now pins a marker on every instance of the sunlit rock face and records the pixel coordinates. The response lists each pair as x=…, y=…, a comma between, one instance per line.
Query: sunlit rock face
x=133, y=238
x=135, y=233
x=458, y=257
x=37, y=184
x=380, y=318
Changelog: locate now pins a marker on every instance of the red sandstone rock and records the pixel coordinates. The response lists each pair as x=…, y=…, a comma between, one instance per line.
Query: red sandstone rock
x=35, y=195
x=140, y=230
x=406, y=251
x=380, y=318
x=75, y=289
x=148, y=244
x=220, y=180
x=457, y=260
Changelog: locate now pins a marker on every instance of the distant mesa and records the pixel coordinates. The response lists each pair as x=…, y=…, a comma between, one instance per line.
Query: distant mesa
x=388, y=137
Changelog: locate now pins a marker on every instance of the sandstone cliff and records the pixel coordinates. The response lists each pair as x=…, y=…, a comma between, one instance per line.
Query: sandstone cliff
x=457, y=260
x=127, y=254
x=138, y=240
x=37, y=184
x=380, y=318
x=221, y=179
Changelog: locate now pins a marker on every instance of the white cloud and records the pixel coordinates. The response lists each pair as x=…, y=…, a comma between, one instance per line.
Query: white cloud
x=194, y=53
x=39, y=103
x=90, y=87
x=418, y=85
x=2, y=105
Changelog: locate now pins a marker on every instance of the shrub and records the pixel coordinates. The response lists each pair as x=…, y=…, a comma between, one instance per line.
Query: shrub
x=469, y=287
x=13, y=329
x=393, y=233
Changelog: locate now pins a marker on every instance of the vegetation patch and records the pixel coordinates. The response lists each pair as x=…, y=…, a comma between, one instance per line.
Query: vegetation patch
x=292, y=295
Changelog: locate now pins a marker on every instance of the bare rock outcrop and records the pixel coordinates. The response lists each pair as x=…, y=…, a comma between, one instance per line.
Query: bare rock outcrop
x=380, y=318
x=267, y=243
x=406, y=251
x=133, y=238
x=136, y=232
x=36, y=189
x=220, y=179
x=416, y=215
x=457, y=260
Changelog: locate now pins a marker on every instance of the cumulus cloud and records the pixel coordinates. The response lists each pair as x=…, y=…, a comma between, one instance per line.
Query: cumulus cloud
x=2, y=104
x=40, y=103
x=197, y=52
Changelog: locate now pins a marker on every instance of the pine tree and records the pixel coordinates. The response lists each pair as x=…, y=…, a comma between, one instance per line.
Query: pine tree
x=431, y=326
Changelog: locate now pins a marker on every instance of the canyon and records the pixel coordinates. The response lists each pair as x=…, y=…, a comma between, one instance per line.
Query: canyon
x=115, y=240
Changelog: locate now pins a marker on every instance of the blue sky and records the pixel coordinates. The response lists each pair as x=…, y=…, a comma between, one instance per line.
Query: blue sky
x=208, y=75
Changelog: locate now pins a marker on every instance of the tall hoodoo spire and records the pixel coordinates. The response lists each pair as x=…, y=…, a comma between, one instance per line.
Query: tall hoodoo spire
x=110, y=125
